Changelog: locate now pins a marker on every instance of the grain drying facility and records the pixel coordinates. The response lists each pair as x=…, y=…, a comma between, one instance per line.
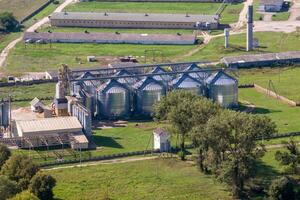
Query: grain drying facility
x=148, y=92
x=134, y=20
x=122, y=94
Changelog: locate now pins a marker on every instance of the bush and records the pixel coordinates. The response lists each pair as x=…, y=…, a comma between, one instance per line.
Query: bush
x=56, y=2
x=21, y=169
x=41, y=185
x=284, y=188
x=4, y=154
x=8, y=188
x=25, y=195
x=8, y=22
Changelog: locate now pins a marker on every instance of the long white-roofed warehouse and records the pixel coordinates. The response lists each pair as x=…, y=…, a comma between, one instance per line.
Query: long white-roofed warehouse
x=134, y=20
x=50, y=132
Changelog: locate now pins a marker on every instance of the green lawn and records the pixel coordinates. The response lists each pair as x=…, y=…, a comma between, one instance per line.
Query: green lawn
x=41, y=57
x=268, y=41
x=257, y=16
x=285, y=80
x=285, y=117
x=28, y=92
x=152, y=179
x=5, y=39
x=20, y=8
x=230, y=14
x=281, y=16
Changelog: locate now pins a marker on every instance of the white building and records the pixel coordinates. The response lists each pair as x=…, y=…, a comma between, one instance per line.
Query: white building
x=161, y=140
x=35, y=104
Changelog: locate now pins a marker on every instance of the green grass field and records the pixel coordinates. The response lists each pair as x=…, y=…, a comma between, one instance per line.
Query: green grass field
x=285, y=117
x=6, y=38
x=20, y=8
x=230, y=14
x=282, y=16
x=41, y=57
x=268, y=41
x=28, y=92
x=285, y=80
x=152, y=179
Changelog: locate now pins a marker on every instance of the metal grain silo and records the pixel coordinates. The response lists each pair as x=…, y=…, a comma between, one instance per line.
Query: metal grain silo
x=4, y=113
x=189, y=83
x=197, y=75
x=164, y=78
x=113, y=100
x=148, y=92
x=223, y=89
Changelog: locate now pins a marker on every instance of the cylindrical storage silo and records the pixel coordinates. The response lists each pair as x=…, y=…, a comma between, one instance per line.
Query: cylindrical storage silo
x=223, y=89
x=148, y=92
x=4, y=113
x=188, y=83
x=129, y=81
x=113, y=100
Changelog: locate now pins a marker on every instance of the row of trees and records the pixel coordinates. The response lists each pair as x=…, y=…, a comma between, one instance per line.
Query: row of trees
x=20, y=178
x=225, y=140
x=8, y=23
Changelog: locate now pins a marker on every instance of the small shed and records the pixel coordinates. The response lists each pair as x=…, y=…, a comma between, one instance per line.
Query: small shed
x=161, y=140
x=36, y=105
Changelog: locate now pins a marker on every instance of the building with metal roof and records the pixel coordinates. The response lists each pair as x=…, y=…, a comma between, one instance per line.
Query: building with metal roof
x=261, y=60
x=110, y=38
x=134, y=20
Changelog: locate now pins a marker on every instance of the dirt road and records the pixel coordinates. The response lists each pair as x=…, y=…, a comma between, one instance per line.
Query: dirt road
x=295, y=10
x=242, y=16
x=34, y=27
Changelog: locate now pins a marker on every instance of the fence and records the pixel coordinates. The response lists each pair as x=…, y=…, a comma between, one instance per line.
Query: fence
x=99, y=158
x=24, y=83
x=36, y=11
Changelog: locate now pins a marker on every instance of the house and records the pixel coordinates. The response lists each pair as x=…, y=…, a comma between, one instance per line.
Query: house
x=161, y=140
x=270, y=5
x=36, y=105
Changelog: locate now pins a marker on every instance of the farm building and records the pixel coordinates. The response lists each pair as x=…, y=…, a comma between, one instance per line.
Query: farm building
x=51, y=129
x=161, y=140
x=110, y=38
x=270, y=5
x=134, y=20
x=260, y=60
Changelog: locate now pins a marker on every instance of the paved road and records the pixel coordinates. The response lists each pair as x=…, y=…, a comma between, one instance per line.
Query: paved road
x=34, y=27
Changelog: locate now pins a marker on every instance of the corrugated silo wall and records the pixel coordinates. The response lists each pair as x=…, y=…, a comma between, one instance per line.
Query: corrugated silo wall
x=225, y=95
x=145, y=100
x=84, y=117
x=4, y=114
x=113, y=105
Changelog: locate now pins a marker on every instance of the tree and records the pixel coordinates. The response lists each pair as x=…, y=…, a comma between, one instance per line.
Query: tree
x=8, y=22
x=232, y=137
x=284, y=188
x=184, y=111
x=25, y=195
x=41, y=185
x=4, y=154
x=21, y=169
x=290, y=158
x=8, y=188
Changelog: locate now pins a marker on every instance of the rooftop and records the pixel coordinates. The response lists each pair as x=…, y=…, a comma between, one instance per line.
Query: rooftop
x=149, y=17
x=271, y=2
x=109, y=37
